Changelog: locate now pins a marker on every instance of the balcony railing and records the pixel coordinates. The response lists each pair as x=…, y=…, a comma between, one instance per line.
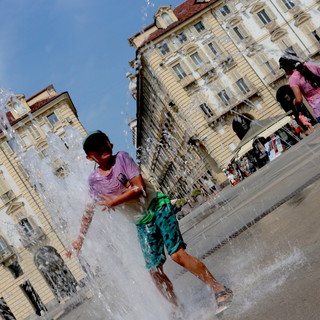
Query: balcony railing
x=32, y=237
x=272, y=77
x=187, y=80
x=7, y=256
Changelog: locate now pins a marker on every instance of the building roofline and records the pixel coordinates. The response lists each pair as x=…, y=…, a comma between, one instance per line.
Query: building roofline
x=39, y=92
x=183, y=11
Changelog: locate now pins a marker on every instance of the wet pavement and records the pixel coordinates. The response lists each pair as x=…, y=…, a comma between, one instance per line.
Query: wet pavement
x=270, y=231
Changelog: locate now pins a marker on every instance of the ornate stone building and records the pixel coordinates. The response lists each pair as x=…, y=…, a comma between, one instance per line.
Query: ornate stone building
x=34, y=274
x=204, y=70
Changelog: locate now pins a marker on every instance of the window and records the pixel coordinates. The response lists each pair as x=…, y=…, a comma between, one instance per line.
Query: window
x=225, y=10
x=196, y=59
x=26, y=226
x=6, y=194
x=5, y=311
x=19, y=108
x=166, y=18
x=44, y=153
x=182, y=37
x=12, y=144
x=53, y=119
x=238, y=33
x=45, y=128
x=199, y=27
x=15, y=269
x=179, y=71
x=224, y=97
x=34, y=131
x=288, y=3
x=316, y=35
x=207, y=111
x=269, y=66
x=263, y=16
x=34, y=298
x=242, y=86
x=26, y=140
x=164, y=49
x=213, y=48
x=3, y=245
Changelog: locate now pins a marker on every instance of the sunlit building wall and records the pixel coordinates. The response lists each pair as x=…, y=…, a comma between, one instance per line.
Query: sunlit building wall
x=214, y=61
x=29, y=239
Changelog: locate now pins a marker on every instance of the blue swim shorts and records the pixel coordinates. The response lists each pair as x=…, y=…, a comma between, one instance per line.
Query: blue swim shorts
x=162, y=231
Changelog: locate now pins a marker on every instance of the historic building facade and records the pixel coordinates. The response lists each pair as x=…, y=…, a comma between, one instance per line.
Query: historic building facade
x=34, y=274
x=202, y=70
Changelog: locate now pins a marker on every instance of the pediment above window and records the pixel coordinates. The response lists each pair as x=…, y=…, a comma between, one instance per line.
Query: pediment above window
x=164, y=17
x=13, y=207
x=257, y=7
x=276, y=35
x=301, y=18
x=234, y=21
x=190, y=48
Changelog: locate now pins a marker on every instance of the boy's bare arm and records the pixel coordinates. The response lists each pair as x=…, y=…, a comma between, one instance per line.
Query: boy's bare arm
x=135, y=191
x=85, y=224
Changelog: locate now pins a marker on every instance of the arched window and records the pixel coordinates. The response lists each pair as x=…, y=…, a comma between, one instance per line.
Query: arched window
x=55, y=271
x=166, y=18
x=241, y=124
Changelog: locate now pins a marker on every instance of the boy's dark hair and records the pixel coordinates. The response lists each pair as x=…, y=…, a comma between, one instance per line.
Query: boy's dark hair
x=94, y=140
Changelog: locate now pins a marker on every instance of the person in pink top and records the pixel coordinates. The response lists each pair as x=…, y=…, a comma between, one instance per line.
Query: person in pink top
x=304, y=79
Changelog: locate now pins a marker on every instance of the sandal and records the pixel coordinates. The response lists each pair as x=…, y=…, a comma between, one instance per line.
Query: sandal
x=224, y=304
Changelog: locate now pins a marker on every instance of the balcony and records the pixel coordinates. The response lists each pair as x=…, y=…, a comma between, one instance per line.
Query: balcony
x=7, y=256
x=33, y=237
x=273, y=77
x=233, y=102
x=227, y=63
x=187, y=80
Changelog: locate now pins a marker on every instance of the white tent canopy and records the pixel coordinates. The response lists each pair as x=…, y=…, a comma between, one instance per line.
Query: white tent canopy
x=260, y=128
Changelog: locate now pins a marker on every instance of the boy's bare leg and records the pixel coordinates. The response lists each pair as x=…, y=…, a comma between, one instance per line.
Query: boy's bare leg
x=199, y=269
x=164, y=285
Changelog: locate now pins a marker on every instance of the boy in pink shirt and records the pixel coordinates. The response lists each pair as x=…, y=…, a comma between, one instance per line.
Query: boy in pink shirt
x=117, y=181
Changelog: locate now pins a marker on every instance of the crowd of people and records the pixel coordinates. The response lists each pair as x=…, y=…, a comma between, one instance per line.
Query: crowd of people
x=239, y=170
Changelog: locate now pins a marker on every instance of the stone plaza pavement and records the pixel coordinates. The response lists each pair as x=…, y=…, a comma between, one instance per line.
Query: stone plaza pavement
x=269, y=233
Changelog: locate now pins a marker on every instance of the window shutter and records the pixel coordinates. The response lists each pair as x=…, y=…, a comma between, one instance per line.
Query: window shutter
x=34, y=131
x=20, y=141
x=260, y=58
x=23, y=172
x=6, y=148
x=282, y=6
x=46, y=120
x=59, y=115
x=271, y=14
x=258, y=21
x=4, y=186
x=235, y=75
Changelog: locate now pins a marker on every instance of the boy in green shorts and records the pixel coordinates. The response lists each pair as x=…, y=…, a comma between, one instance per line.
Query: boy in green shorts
x=117, y=181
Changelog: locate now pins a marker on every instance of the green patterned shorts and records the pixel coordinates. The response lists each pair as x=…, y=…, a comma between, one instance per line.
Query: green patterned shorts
x=162, y=231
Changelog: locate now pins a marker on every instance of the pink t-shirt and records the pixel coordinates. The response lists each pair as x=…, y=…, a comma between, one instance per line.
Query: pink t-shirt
x=311, y=94
x=117, y=182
